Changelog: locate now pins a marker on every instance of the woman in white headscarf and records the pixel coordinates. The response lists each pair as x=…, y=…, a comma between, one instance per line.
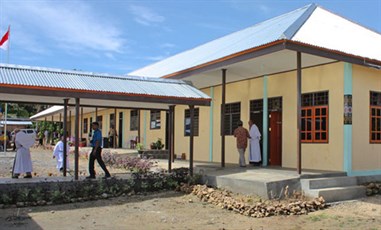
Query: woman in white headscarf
x=23, y=161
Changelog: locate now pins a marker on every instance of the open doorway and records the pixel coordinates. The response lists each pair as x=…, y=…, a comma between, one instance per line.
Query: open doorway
x=274, y=112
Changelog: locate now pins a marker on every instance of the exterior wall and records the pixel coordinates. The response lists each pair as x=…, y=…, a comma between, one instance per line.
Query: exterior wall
x=201, y=142
x=128, y=135
x=328, y=156
x=105, y=113
x=151, y=135
x=365, y=156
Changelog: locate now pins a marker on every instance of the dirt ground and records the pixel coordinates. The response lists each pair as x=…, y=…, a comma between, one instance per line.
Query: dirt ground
x=171, y=210
x=44, y=165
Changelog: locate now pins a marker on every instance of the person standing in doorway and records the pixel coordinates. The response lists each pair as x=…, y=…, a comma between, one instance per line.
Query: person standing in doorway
x=112, y=136
x=255, y=149
x=241, y=134
x=96, y=144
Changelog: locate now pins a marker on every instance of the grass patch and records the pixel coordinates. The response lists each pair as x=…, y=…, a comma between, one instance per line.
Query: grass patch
x=318, y=217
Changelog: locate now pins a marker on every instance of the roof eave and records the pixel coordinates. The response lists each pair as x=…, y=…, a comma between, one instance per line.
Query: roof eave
x=230, y=59
x=332, y=54
x=71, y=93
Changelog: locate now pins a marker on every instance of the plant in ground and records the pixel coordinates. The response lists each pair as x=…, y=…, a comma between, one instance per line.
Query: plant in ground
x=23, y=195
x=56, y=196
x=6, y=199
x=37, y=194
x=133, y=164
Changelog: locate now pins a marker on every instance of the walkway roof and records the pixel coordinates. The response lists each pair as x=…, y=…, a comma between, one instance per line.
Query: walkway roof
x=51, y=86
x=320, y=35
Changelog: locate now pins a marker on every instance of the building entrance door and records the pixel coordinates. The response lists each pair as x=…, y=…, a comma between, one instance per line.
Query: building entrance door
x=120, y=141
x=275, y=133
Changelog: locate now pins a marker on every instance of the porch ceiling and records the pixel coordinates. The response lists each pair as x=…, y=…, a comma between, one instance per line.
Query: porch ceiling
x=277, y=62
x=55, y=116
x=85, y=102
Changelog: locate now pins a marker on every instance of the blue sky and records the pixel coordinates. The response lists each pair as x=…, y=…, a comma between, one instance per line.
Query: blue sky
x=119, y=36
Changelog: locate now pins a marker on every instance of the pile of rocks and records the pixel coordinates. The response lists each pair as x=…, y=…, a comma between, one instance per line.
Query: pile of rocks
x=226, y=200
x=373, y=188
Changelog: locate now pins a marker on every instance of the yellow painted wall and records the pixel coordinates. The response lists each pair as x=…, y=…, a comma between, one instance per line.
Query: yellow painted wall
x=152, y=135
x=201, y=142
x=365, y=156
x=315, y=156
x=127, y=135
x=327, y=156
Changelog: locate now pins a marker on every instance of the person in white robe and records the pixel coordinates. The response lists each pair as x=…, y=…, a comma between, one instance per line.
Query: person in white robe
x=23, y=161
x=255, y=149
x=58, y=154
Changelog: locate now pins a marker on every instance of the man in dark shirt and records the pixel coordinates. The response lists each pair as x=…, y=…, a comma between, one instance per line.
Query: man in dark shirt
x=241, y=134
x=96, y=152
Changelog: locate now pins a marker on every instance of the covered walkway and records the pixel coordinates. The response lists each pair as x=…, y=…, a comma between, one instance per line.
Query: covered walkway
x=24, y=84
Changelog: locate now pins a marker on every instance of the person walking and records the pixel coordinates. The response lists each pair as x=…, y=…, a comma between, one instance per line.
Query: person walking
x=255, y=149
x=58, y=154
x=23, y=161
x=241, y=134
x=96, y=144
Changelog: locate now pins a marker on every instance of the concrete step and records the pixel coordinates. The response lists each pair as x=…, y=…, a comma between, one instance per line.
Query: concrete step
x=323, y=175
x=321, y=183
x=335, y=194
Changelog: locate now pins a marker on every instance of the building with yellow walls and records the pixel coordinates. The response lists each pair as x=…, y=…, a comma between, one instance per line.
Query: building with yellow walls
x=310, y=80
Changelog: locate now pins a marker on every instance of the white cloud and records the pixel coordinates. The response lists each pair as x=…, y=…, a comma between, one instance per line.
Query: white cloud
x=71, y=25
x=145, y=15
x=265, y=9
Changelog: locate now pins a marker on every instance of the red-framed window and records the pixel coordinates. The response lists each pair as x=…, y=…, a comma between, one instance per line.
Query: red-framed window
x=375, y=117
x=314, y=124
x=315, y=118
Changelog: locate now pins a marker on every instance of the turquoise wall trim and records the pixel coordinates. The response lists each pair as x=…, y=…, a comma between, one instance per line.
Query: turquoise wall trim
x=265, y=122
x=347, y=148
x=145, y=130
x=348, y=79
x=365, y=173
x=211, y=114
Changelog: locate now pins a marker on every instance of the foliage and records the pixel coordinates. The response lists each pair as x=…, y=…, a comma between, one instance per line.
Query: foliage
x=157, y=145
x=39, y=194
x=133, y=164
x=139, y=146
x=6, y=199
x=22, y=110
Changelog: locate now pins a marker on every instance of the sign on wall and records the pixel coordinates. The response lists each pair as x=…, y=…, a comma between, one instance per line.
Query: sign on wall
x=347, y=109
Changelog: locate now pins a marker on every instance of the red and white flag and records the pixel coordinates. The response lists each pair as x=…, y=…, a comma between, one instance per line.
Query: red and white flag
x=4, y=42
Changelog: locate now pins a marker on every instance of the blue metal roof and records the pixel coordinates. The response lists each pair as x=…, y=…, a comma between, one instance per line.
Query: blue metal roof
x=36, y=77
x=278, y=28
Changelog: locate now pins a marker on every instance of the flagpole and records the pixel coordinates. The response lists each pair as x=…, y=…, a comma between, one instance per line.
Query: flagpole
x=6, y=104
x=5, y=128
x=9, y=43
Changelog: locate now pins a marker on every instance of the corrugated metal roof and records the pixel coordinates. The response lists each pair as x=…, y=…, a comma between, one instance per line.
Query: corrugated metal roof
x=268, y=31
x=328, y=30
x=311, y=25
x=49, y=111
x=85, y=81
